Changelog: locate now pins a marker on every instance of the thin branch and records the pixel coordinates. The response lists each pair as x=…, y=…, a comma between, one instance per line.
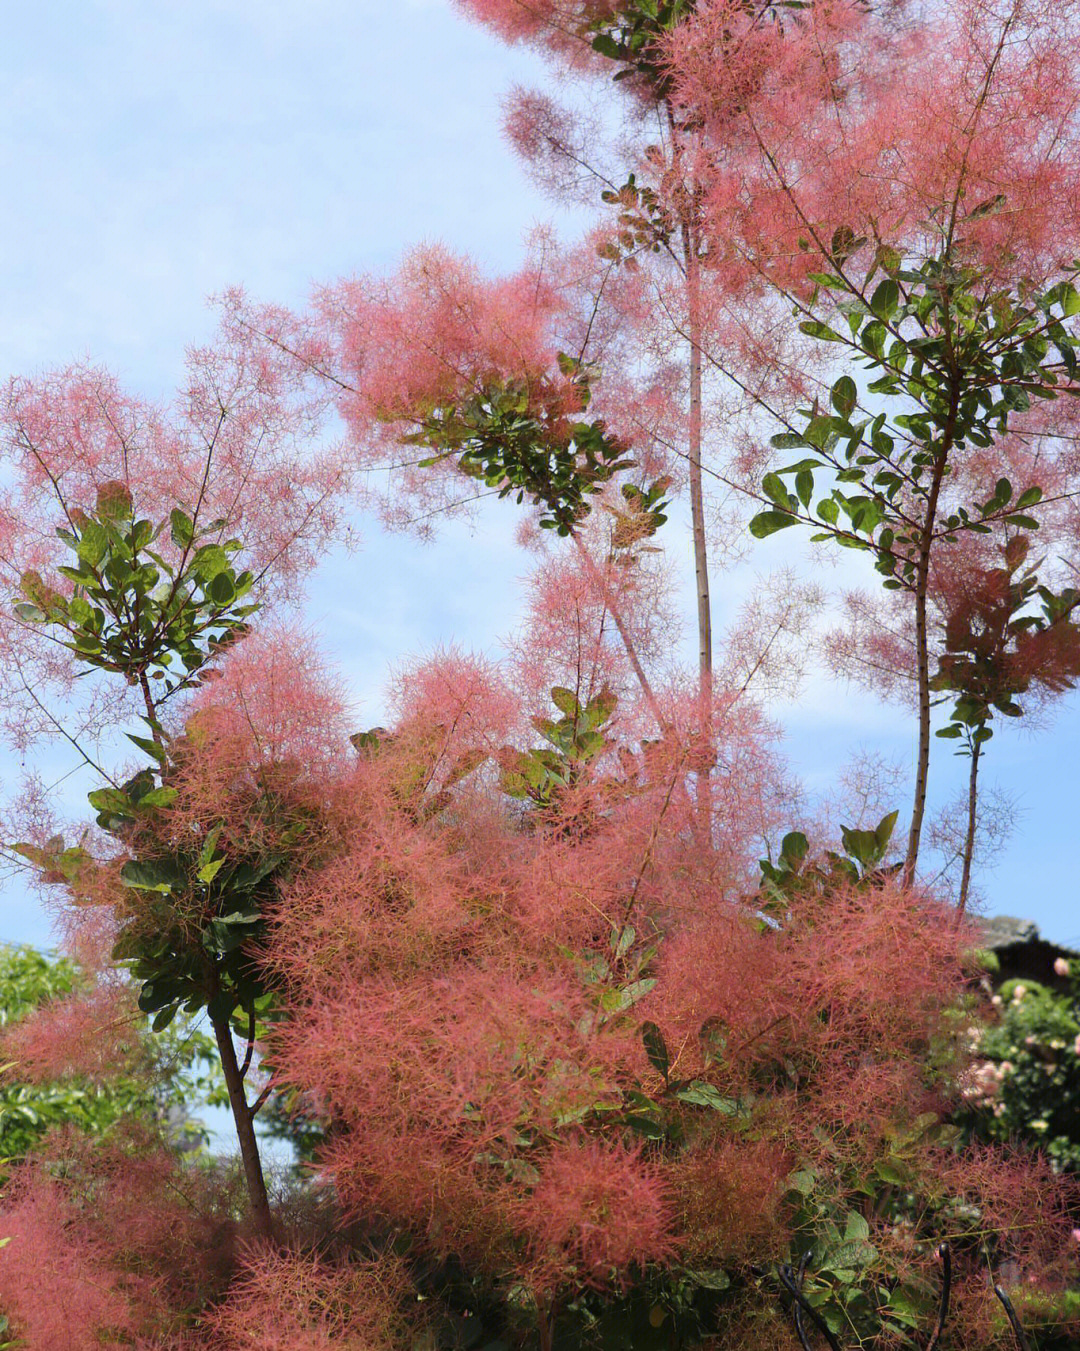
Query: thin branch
x=250, y=1044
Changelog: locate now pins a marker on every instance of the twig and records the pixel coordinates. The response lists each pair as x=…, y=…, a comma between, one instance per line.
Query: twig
x=945, y=1254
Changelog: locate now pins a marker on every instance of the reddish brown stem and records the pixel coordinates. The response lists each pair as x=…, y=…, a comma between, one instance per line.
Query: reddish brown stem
x=244, y=1121
x=969, y=839
x=922, y=645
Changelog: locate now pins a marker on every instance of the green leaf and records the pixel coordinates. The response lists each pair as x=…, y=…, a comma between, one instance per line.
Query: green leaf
x=113, y=501
x=565, y=700
x=884, y=831
x=656, y=1048
x=146, y=744
x=147, y=877
x=111, y=800
x=886, y=299
x=845, y=395
x=773, y=487
x=209, y=561
x=987, y=208
x=637, y=990
x=803, y=1181
x=700, y=1094
x=222, y=588
x=844, y=243
x=163, y=1018
x=93, y=544
x=209, y=871
x=857, y=1230
x=606, y=45
x=622, y=941
x=816, y=329
x=819, y=430
x=182, y=528
x=769, y=522
x=709, y=1280
x=158, y=797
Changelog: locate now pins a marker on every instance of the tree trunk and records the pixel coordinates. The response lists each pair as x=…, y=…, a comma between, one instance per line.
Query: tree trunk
x=697, y=500
x=922, y=645
x=922, y=770
x=969, y=839
x=244, y=1120
x=545, y=1325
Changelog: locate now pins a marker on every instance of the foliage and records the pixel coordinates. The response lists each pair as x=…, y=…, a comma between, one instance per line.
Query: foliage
x=191, y=896
x=962, y=359
x=629, y=34
x=120, y=617
x=960, y=364
x=168, y=1086
x=1026, y=1083
x=519, y=437
x=569, y=1069
x=548, y=777
x=131, y=611
x=996, y=645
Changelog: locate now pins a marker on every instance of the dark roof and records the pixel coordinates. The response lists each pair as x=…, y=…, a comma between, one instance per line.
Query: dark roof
x=1022, y=951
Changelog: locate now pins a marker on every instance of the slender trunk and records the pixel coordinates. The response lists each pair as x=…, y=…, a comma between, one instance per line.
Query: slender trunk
x=922, y=646
x=692, y=272
x=922, y=771
x=244, y=1120
x=701, y=554
x=545, y=1325
x=969, y=839
x=697, y=499
x=151, y=710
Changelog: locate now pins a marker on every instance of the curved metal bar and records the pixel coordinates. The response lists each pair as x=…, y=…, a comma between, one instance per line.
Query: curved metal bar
x=1010, y=1312
x=787, y=1277
x=796, y=1310
x=796, y=1307
x=946, y=1288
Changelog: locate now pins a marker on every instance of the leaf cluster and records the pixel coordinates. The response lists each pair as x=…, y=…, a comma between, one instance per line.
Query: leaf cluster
x=645, y=222
x=517, y=438
x=960, y=361
x=796, y=873
x=130, y=610
x=546, y=776
x=983, y=641
x=1034, y=1043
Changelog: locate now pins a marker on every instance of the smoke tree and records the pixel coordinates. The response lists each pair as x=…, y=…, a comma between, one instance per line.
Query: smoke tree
x=582, y=1067
x=146, y=602
x=924, y=229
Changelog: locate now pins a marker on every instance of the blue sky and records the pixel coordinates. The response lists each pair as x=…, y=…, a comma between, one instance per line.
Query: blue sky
x=153, y=154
